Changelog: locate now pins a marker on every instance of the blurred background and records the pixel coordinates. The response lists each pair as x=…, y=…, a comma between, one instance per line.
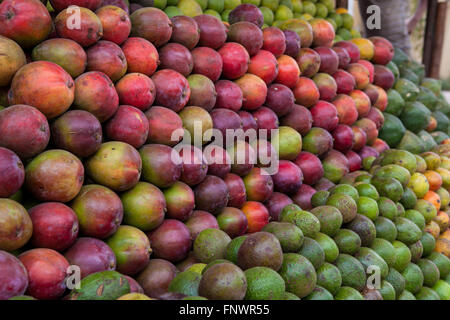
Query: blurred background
x=419, y=39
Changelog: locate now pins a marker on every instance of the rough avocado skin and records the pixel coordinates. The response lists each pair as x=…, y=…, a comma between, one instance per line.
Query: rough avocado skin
x=210, y=245
x=289, y=235
x=312, y=251
x=442, y=262
x=426, y=293
x=413, y=277
x=330, y=219
x=385, y=229
x=348, y=293
x=387, y=291
x=347, y=241
x=264, y=284
x=233, y=248
x=329, y=247
x=369, y=257
x=406, y=295
x=329, y=277
x=305, y=220
x=385, y=250
x=105, y=285
x=407, y=231
x=186, y=282
x=365, y=228
x=320, y=293
x=223, y=281
x=298, y=274
x=352, y=271
x=260, y=249
x=396, y=279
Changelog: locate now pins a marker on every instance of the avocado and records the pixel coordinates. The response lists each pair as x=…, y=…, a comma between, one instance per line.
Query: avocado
x=345, y=204
x=305, y=220
x=426, y=293
x=313, y=251
x=428, y=243
x=385, y=250
x=264, y=284
x=320, y=198
x=212, y=263
x=352, y=271
x=387, y=290
x=298, y=274
x=233, y=248
x=186, y=282
x=387, y=208
x=388, y=187
x=347, y=241
x=319, y=293
x=348, y=293
x=427, y=209
x=442, y=262
x=365, y=228
x=400, y=210
x=369, y=258
x=328, y=245
x=223, y=281
x=330, y=219
x=367, y=190
x=397, y=281
x=385, y=229
x=442, y=288
x=406, y=295
x=413, y=278
x=407, y=231
x=416, y=250
x=260, y=249
x=210, y=245
x=409, y=198
x=290, y=296
x=402, y=254
x=329, y=277
x=289, y=235
x=430, y=272
x=368, y=207
x=345, y=189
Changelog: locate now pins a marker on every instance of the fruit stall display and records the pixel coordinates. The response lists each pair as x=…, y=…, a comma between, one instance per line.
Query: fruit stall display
x=92, y=180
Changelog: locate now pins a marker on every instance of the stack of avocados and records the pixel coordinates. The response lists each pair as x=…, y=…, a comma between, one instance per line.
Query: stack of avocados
x=416, y=118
